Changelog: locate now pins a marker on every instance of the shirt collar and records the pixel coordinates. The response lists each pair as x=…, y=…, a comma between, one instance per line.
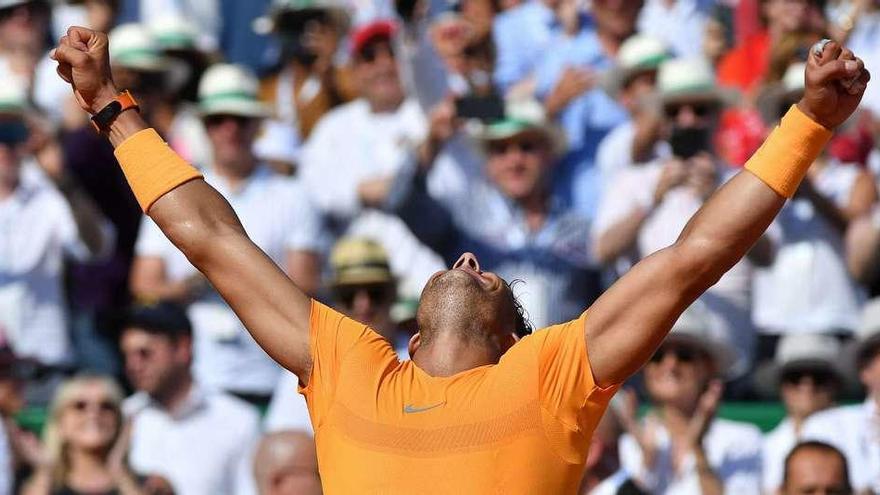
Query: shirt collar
x=196, y=400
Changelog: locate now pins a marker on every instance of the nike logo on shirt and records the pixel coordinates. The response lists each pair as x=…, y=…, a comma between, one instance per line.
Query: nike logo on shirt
x=409, y=408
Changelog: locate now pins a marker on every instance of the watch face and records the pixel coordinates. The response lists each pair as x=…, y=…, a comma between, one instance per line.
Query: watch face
x=105, y=117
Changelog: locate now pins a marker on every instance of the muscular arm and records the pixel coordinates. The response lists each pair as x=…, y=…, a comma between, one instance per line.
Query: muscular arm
x=626, y=325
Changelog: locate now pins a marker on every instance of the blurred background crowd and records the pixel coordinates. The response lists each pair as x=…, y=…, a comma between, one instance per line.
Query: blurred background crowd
x=367, y=143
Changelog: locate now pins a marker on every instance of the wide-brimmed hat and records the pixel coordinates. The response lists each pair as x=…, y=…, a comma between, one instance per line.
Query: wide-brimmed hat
x=358, y=261
x=776, y=97
x=133, y=47
x=230, y=89
x=638, y=54
x=523, y=116
x=695, y=328
x=807, y=352
x=274, y=18
x=684, y=80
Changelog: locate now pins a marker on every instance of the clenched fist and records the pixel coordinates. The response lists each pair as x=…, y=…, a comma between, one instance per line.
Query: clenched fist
x=84, y=62
x=835, y=82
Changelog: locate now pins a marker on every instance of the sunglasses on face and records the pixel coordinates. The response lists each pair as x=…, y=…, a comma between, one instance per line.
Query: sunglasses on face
x=83, y=405
x=371, y=51
x=699, y=109
x=819, y=378
x=13, y=132
x=215, y=120
x=686, y=355
x=522, y=146
x=377, y=293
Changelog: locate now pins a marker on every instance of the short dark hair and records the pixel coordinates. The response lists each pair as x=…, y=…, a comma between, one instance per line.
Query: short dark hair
x=522, y=325
x=161, y=318
x=822, y=447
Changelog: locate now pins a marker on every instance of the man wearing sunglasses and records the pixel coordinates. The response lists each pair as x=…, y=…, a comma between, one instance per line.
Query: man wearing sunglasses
x=808, y=376
x=277, y=214
x=680, y=447
x=476, y=410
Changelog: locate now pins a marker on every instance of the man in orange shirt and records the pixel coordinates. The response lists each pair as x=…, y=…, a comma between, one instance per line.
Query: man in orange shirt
x=476, y=410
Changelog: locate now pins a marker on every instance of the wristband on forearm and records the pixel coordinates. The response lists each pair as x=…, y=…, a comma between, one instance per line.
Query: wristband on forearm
x=784, y=158
x=151, y=167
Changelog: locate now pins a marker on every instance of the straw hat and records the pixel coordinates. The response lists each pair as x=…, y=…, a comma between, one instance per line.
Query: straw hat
x=273, y=20
x=694, y=327
x=690, y=80
x=230, y=89
x=639, y=53
x=523, y=116
x=357, y=261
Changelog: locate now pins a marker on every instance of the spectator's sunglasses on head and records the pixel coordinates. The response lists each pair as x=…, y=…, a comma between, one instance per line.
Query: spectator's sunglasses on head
x=378, y=293
x=820, y=378
x=683, y=353
x=370, y=52
x=83, y=405
x=526, y=146
x=13, y=132
x=699, y=109
x=217, y=119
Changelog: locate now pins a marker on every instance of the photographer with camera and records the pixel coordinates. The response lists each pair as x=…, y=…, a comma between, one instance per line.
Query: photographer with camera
x=652, y=201
x=309, y=83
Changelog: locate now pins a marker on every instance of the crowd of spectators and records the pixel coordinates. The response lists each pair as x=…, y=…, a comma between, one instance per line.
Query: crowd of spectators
x=365, y=145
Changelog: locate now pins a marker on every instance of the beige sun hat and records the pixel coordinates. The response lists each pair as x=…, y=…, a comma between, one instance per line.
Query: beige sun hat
x=695, y=327
x=274, y=18
x=690, y=80
x=639, y=53
x=230, y=89
x=523, y=115
x=356, y=261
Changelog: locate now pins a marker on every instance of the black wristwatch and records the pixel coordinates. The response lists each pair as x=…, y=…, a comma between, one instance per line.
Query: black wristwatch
x=107, y=115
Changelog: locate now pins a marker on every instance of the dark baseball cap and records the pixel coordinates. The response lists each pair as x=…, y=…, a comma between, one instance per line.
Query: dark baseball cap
x=162, y=317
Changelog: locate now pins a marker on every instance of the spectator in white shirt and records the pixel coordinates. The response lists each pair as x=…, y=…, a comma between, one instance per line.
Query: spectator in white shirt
x=286, y=463
x=814, y=468
x=45, y=219
x=808, y=377
x=356, y=146
x=681, y=448
x=362, y=288
x=197, y=439
x=632, y=79
x=855, y=430
x=649, y=204
x=679, y=23
x=277, y=214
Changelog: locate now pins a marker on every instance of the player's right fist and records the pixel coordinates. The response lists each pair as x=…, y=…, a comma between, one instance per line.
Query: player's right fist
x=835, y=82
x=84, y=62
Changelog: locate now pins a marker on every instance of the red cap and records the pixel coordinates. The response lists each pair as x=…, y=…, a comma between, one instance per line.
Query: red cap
x=365, y=33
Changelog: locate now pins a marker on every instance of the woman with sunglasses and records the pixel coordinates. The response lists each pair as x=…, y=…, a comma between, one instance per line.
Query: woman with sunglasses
x=84, y=443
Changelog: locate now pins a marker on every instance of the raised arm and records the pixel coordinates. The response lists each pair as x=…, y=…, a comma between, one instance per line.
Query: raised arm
x=629, y=321
x=194, y=216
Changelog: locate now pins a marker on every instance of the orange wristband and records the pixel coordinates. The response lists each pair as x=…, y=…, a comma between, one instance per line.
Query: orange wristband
x=784, y=158
x=151, y=167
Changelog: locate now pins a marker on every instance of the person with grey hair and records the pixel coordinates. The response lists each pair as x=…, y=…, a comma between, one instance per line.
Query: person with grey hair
x=286, y=463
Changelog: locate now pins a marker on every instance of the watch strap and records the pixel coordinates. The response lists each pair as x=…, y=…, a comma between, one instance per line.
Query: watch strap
x=107, y=115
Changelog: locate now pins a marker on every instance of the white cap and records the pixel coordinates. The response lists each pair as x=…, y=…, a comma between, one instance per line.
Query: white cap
x=230, y=89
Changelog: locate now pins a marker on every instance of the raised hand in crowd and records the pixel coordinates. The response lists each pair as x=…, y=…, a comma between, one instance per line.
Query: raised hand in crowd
x=574, y=82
